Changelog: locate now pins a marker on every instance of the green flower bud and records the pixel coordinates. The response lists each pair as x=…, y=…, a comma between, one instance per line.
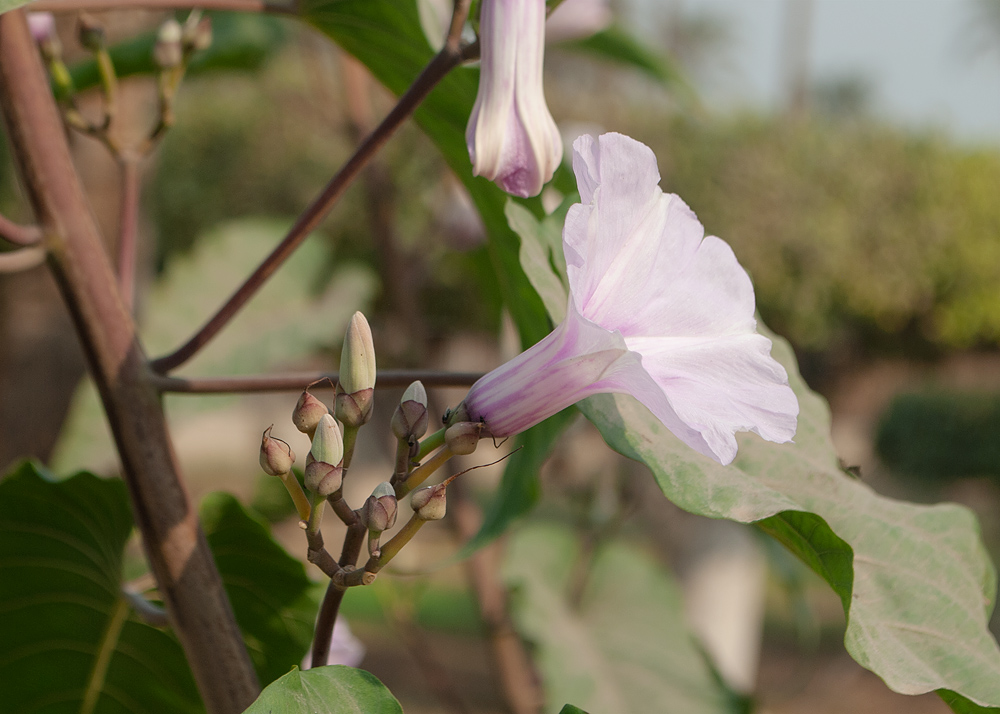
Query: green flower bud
x=307, y=413
x=328, y=442
x=357, y=359
x=379, y=512
x=276, y=456
x=356, y=389
x=410, y=417
x=463, y=437
x=429, y=503
x=168, y=51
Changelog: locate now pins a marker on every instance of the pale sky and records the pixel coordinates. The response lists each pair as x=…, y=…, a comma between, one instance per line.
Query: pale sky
x=916, y=55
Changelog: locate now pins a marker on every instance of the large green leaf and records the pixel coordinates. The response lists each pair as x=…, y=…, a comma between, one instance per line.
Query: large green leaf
x=619, y=646
x=520, y=487
x=915, y=581
x=281, y=324
x=6, y=5
x=271, y=594
x=386, y=36
x=69, y=636
x=332, y=690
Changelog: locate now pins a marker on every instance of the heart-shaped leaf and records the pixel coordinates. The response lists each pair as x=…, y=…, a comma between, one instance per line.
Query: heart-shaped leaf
x=335, y=689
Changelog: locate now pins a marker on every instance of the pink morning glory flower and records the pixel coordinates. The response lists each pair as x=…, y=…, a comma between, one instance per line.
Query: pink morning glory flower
x=655, y=310
x=511, y=136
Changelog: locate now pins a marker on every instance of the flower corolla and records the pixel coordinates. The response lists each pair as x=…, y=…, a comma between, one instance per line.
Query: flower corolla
x=655, y=310
x=511, y=136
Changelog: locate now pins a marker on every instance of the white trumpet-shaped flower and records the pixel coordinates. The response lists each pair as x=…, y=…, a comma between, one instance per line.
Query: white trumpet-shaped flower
x=512, y=138
x=656, y=310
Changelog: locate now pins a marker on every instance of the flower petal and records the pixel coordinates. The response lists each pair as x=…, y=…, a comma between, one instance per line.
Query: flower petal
x=625, y=244
x=721, y=386
x=573, y=362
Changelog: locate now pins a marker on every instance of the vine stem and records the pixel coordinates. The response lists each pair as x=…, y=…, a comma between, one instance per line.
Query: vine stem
x=297, y=382
x=128, y=227
x=175, y=545
x=442, y=63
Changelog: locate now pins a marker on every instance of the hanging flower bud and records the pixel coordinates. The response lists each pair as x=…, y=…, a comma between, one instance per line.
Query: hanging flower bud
x=324, y=469
x=356, y=389
x=307, y=413
x=42, y=26
x=429, y=503
x=410, y=418
x=89, y=32
x=276, y=456
x=511, y=136
x=463, y=437
x=379, y=512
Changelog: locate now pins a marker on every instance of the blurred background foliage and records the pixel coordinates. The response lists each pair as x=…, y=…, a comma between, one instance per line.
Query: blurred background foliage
x=865, y=240
x=855, y=232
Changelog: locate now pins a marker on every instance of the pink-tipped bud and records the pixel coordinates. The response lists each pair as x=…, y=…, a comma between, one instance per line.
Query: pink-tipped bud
x=429, y=503
x=379, y=512
x=307, y=413
x=276, y=456
x=410, y=418
x=463, y=437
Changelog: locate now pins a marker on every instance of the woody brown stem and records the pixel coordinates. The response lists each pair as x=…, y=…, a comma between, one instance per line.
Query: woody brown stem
x=175, y=545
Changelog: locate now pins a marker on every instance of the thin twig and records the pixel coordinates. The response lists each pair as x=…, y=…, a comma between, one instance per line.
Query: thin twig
x=297, y=382
x=353, y=541
x=442, y=63
x=17, y=261
x=17, y=234
x=100, y=5
x=128, y=227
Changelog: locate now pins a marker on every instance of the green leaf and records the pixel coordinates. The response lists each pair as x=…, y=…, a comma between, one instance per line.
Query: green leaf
x=916, y=583
x=240, y=41
x=6, y=5
x=68, y=635
x=520, y=488
x=619, y=45
x=541, y=255
x=332, y=690
x=387, y=38
x=620, y=644
x=282, y=323
x=570, y=709
x=272, y=596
